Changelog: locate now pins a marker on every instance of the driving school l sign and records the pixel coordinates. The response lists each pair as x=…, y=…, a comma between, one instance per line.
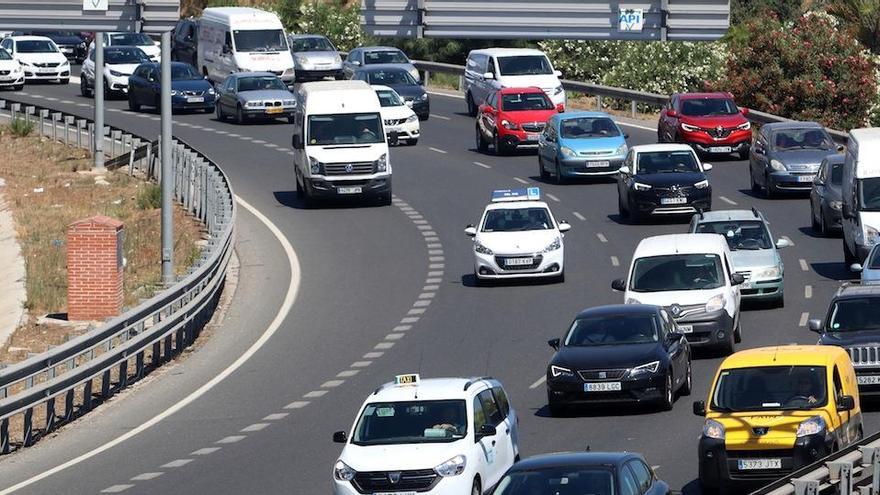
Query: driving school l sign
x=630, y=20
x=100, y=5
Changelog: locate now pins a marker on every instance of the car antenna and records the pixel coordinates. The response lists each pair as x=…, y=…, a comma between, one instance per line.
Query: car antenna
x=588, y=448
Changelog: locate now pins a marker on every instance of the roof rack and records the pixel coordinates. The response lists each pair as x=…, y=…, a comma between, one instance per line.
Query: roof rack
x=474, y=380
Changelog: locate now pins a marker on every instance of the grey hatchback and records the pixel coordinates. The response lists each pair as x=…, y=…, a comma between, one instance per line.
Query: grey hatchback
x=825, y=198
x=786, y=156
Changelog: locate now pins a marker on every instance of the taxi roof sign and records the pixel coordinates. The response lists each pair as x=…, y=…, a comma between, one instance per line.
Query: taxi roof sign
x=403, y=380
x=522, y=194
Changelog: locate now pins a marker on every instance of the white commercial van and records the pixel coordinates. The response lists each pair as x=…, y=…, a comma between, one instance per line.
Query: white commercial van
x=339, y=144
x=860, y=192
x=491, y=69
x=242, y=39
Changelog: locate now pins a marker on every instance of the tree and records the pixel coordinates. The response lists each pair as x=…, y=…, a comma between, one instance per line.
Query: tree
x=741, y=11
x=861, y=17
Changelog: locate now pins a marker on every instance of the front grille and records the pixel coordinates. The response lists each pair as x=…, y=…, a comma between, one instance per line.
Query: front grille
x=596, y=153
x=533, y=126
x=675, y=190
x=394, y=121
x=720, y=133
x=348, y=168
x=46, y=64
x=4, y=72
x=536, y=261
x=685, y=310
x=193, y=93
x=272, y=103
x=868, y=355
x=420, y=480
x=598, y=375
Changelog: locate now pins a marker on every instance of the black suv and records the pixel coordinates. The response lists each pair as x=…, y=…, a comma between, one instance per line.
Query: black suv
x=853, y=322
x=184, y=42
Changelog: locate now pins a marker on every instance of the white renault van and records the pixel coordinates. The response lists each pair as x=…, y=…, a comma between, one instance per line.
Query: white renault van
x=860, y=191
x=491, y=69
x=243, y=39
x=339, y=143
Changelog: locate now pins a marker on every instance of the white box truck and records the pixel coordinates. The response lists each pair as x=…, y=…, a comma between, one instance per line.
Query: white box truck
x=861, y=194
x=339, y=144
x=243, y=39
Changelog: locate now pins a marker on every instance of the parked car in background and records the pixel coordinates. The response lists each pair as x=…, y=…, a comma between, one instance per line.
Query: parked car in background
x=39, y=57
x=826, y=201
x=397, y=116
x=185, y=41
x=513, y=118
x=189, y=89
x=786, y=156
x=71, y=43
x=11, y=72
x=581, y=144
x=378, y=55
x=710, y=122
x=314, y=57
x=254, y=95
x=491, y=69
x=399, y=80
x=870, y=269
x=119, y=63
x=140, y=40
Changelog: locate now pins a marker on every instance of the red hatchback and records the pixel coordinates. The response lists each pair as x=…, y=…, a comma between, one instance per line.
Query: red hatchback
x=710, y=122
x=513, y=118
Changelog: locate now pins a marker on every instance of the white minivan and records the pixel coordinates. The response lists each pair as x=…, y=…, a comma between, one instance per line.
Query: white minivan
x=692, y=277
x=491, y=69
x=243, y=39
x=860, y=192
x=339, y=144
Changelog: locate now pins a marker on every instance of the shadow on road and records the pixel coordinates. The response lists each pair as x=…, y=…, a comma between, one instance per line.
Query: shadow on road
x=290, y=199
x=834, y=271
x=470, y=280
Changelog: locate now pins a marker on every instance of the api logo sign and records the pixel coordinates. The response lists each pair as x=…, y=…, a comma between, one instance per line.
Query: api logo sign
x=631, y=20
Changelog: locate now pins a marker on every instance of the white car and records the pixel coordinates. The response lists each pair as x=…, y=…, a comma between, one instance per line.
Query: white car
x=119, y=63
x=40, y=58
x=140, y=40
x=11, y=72
x=488, y=70
x=433, y=436
x=692, y=277
x=397, y=115
x=518, y=237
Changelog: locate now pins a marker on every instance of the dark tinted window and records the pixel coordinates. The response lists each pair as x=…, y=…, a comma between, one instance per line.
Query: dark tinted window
x=525, y=101
x=642, y=475
x=517, y=220
x=561, y=481
x=490, y=407
x=791, y=139
x=869, y=194
x=708, y=106
x=613, y=330
x=836, y=173
x=36, y=46
x=311, y=45
x=664, y=162
x=388, y=98
x=588, y=127
x=628, y=483
x=125, y=56
x=874, y=262
x=260, y=83
x=855, y=314
x=385, y=57
x=389, y=423
x=341, y=129
x=4, y=55
x=677, y=272
x=770, y=387
x=522, y=65
x=501, y=399
x=391, y=77
x=263, y=40
x=743, y=234
x=184, y=73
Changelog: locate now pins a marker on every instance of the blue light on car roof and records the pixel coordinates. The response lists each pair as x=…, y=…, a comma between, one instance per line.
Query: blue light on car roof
x=523, y=194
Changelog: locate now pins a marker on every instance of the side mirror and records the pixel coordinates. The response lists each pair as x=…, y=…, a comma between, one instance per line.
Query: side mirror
x=625, y=135
x=560, y=108
x=393, y=139
x=470, y=231
x=624, y=170
x=485, y=431
x=759, y=150
x=707, y=167
x=744, y=111
x=340, y=437
x=488, y=75
x=557, y=73
x=618, y=284
x=227, y=49
x=856, y=268
x=355, y=63
x=297, y=142
x=700, y=408
x=815, y=325
x=846, y=403
x=783, y=243
x=840, y=148
x=554, y=343
x=737, y=279
x=409, y=103
x=672, y=113
x=564, y=226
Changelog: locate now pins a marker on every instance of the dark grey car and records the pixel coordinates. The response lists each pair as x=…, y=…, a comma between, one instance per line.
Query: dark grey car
x=785, y=156
x=400, y=80
x=375, y=55
x=254, y=95
x=825, y=198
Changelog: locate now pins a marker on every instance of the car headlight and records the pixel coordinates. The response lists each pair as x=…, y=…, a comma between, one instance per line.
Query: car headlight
x=871, y=235
x=16, y=70
x=315, y=166
x=22, y=62
x=115, y=73
x=509, y=125
x=777, y=165
x=82, y=45
x=424, y=97
x=480, y=248
x=337, y=59
x=632, y=300
x=703, y=184
x=745, y=126
x=65, y=63
x=343, y=472
x=638, y=186
x=415, y=73
x=768, y=273
x=382, y=163
x=565, y=150
x=836, y=205
x=557, y=371
x=713, y=429
x=553, y=246
x=811, y=426
x=174, y=92
x=559, y=89
x=412, y=118
x=689, y=128
x=716, y=303
x=452, y=467
x=211, y=91
x=622, y=149
x=647, y=368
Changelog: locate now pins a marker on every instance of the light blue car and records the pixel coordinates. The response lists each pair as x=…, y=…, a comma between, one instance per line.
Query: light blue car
x=580, y=144
x=754, y=254
x=871, y=269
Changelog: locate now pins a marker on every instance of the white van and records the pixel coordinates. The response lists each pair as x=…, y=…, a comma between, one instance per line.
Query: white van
x=339, y=143
x=243, y=39
x=491, y=69
x=860, y=192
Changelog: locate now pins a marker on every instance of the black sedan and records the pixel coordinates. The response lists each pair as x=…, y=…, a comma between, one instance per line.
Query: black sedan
x=400, y=80
x=619, y=353
x=825, y=198
x=596, y=473
x=658, y=180
x=189, y=89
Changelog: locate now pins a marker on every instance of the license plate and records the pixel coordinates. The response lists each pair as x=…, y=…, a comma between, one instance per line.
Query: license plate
x=686, y=328
x=195, y=99
x=67, y=50
x=531, y=136
x=598, y=164
x=746, y=464
x=868, y=380
x=348, y=190
x=395, y=493
x=518, y=261
x=720, y=149
x=673, y=201
x=274, y=110
x=602, y=387
x=47, y=71
x=392, y=129
x=805, y=178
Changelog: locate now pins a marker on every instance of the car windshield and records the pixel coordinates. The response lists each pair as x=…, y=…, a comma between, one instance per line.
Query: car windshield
x=517, y=102
x=524, y=65
x=35, y=46
x=391, y=77
x=874, y=261
x=677, y=272
x=385, y=57
x=588, y=127
x=389, y=98
x=798, y=139
x=703, y=107
x=184, y=72
x=427, y=421
x=263, y=40
x=855, y=314
x=260, y=83
x=345, y=129
x=311, y=45
x=613, y=330
x=742, y=234
x=4, y=55
x=869, y=194
x=770, y=387
x=517, y=219
x=125, y=56
x=557, y=480
x=131, y=39
x=666, y=162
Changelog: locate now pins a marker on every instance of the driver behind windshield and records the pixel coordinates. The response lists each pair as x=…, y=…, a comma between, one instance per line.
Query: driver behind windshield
x=806, y=391
x=449, y=420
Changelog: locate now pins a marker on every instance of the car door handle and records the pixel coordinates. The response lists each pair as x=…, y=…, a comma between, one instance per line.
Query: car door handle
x=507, y=431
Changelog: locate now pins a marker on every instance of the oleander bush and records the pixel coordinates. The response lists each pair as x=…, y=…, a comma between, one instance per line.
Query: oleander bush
x=334, y=19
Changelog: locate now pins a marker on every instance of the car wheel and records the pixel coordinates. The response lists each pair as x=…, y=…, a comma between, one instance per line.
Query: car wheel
x=482, y=145
x=424, y=117
x=728, y=345
x=622, y=210
x=558, y=174
x=744, y=154
x=769, y=193
x=221, y=115
x=133, y=105
x=385, y=199
x=18, y=88
x=475, y=488
x=556, y=409
x=412, y=142
x=668, y=393
x=737, y=333
x=500, y=149
x=814, y=223
x=780, y=301
x=755, y=187
x=471, y=106
x=848, y=257
x=823, y=226
x=299, y=188
x=291, y=119
x=84, y=87
x=239, y=115
x=541, y=170
x=64, y=81
x=210, y=109
x=560, y=279
x=688, y=384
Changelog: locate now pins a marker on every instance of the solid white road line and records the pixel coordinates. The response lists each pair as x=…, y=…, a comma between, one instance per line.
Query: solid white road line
x=615, y=261
x=804, y=318
x=726, y=200
x=538, y=382
x=280, y=316
x=448, y=95
x=804, y=266
x=636, y=126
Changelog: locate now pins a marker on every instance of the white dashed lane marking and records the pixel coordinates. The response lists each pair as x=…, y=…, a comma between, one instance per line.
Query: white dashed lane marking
x=206, y=451
x=579, y=216
x=521, y=181
x=804, y=266
x=255, y=427
x=804, y=318
x=332, y=383
x=615, y=261
x=314, y=394
x=347, y=373
x=808, y=292
x=482, y=165
x=441, y=117
x=275, y=417
x=297, y=404
x=554, y=198
x=728, y=201
x=147, y=476
x=178, y=463
x=116, y=488
x=601, y=237
x=538, y=383
x=437, y=150
x=231, y=439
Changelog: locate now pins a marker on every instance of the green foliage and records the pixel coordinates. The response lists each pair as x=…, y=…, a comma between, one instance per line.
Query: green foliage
x=221, y=3
x=150, y=197
x=580, y=60
x=742, y=11
x=289, y=12
x=333, y=19
x=21, y=127
x=861, y=18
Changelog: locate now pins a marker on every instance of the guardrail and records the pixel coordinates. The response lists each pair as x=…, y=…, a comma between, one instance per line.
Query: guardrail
x=124, y=348
x=600, y=92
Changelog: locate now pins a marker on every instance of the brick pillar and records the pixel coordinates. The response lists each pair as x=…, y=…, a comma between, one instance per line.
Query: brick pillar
x=94, y=268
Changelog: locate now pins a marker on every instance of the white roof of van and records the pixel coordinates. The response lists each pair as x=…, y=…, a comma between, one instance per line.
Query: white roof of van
x=661, y=245
x=339, y=97
x=239, y=14
x=321, y=86
x=868, y=142
x=502, y=52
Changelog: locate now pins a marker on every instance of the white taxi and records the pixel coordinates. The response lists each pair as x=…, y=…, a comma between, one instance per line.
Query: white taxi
x=518, y=237
x=439, y=435
x=397, y=115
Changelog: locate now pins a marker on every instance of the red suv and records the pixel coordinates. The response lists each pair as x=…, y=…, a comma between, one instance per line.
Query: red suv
x=513, y=118
x=710, y=122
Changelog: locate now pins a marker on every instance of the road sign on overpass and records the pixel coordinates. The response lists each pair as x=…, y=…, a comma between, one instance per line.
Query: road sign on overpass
x=646, y=20
x=151, y=16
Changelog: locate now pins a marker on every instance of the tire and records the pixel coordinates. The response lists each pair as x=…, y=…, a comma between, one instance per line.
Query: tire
x=385, y=200
x=500, y=149
x=239, y=115
x=476, y=489
x=482, y=145
x=727, y=347
x=84, y=87
x=545, y=175
x=291, y=119
x=18, y=88
x=221, y=115
x=560, y=279
x=412, y=142
x=471, y=106
x=622, y=210
x=423, y=118
x=848, y=257
x=64, y=81
x=558, y=174
x=688, y=386
x=479, y=282
x=823, y=227
x=556, y=409
x=755, y=187
x=299, y=189
x=744, y=154
x=210, y=109
x=668, y=400
x=780, y=301
x=133, y=105
x=737, y=334
x=814, y=224
x=769, y=193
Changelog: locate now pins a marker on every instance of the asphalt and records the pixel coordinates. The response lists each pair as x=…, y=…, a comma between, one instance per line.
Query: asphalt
x=363, y=271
